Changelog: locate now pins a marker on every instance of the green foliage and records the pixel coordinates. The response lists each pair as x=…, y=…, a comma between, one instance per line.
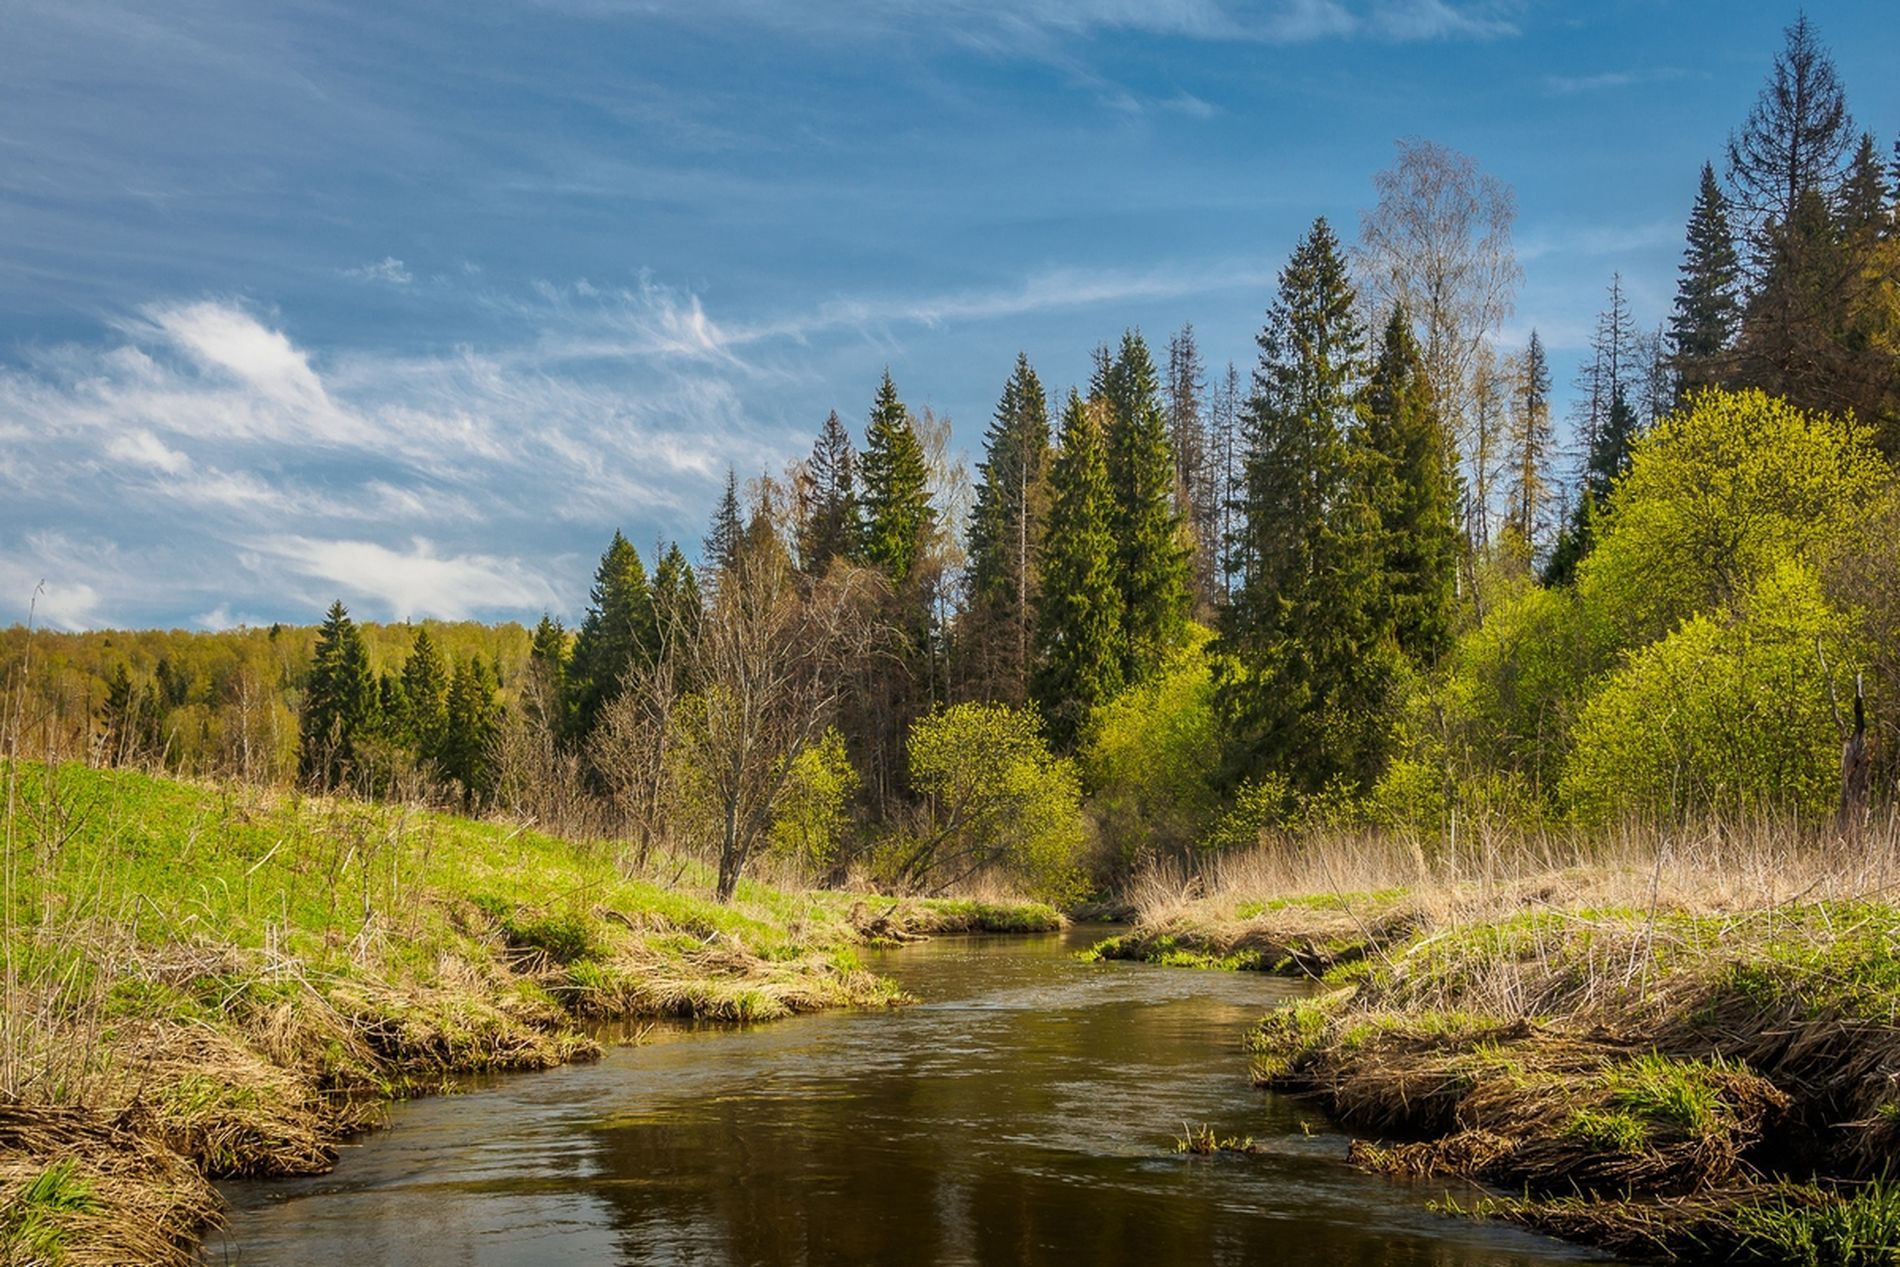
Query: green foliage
x=618, y=634
x=1308, y=665
x=833, y=523
x=1079, y=607
x=813, y=814
x=1006, y=532
x=1717, y=496
x=339, y=705
x=1708, y=309
x=1154, y=562
x=1151, y=754
x=35, y=1221
x=899, y=519
x=1731, y=712
x=994, y=799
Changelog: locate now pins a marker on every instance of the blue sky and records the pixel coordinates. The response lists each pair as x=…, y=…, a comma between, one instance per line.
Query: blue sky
x=415, y=303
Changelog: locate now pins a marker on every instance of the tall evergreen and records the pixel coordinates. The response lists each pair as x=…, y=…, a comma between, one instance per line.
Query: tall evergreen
x=1708, y=310
x=898, y=516
x=425, y=688
x=472, y=722
x=832, y=524
x=1153, y=564
x=1229, y=455
x=547, y=695
x=618, y=633
x=1006, y=529
x=1532, y=439
x=722, y=538
x=677, y=604
x=1863, y=202
x=339, y=700
x=1794, y=141
x=1413, y=493
x=1079, y=607
x=1307, y=679
x=1610, y=448
x=1196, y=466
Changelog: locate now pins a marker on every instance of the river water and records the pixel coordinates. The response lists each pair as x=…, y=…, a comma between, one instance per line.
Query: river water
x=1023, y=1112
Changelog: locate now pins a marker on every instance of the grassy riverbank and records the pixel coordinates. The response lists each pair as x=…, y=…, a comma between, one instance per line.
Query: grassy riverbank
x=218, y=981
x=1676, y=1046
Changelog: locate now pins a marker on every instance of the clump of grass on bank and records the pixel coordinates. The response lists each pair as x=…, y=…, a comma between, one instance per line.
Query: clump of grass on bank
x=1678, y=1043
x=207, y=982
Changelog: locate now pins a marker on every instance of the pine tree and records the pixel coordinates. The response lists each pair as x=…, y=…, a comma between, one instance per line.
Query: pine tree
x=1794, y=142
x=339, y=700
x=1153, y=564
x=1708, y=310
x=899, y=518
x=1531, y=443
x=472, y=722
x=1863, y=203
x=1006, y=528
x=1078, y=609
x=832, y=527
x=425, y=682
x=1306, y=682
x=546, y=695
x=1413, y=495
x=617, y=634
x=722, y=538
x=1197, y=481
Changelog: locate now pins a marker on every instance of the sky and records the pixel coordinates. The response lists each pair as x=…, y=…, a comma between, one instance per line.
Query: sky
x=414, y=303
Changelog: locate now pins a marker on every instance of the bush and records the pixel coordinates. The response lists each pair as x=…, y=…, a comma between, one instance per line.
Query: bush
x=1731, y=712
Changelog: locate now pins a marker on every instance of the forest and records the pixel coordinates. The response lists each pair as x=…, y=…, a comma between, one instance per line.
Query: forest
x=1365, y=586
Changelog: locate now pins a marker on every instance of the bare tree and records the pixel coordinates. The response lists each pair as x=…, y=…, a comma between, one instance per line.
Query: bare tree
x=1439, y=242
x=769, y=664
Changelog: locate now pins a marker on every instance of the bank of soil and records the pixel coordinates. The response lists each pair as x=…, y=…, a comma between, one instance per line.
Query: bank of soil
x=210, y=982
x=1718, y=1086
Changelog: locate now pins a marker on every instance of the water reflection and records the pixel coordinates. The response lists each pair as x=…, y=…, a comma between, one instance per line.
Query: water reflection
x=1022, y=1114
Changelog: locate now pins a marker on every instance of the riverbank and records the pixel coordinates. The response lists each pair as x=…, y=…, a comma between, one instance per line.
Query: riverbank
x=205, y=982
x=1679, y=1047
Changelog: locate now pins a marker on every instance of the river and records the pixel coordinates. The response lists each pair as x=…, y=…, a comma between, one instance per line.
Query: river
x=1023, y=1112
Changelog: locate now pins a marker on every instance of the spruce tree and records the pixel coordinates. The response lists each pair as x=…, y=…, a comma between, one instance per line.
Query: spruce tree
x=472, y=723
x=1197, y=477
x=1708, y=309
x=339, y=700
x=722, y=538
x=1413, y=494
x=677, y=605
x=1795, y=139
x=1863, y=202
x=425, y=681
x=1610, y=449
x=547, y=694
x=832, y=525
x=1153, y=563
x=1078, y=608
x=1006, y=528
x=1531, y=443
x=1306, y=683
x=617, y=634
x=899, y=519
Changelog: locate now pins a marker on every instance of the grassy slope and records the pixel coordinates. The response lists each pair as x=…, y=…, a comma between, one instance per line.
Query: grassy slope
x=236, y=978
x=1705, y=1080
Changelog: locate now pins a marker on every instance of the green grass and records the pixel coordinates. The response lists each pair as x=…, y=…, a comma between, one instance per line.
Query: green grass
x=36, y=1222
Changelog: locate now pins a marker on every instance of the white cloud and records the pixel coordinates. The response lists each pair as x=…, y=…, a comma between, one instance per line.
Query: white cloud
x=141, y=448
x=418, y=582
x=389, y=269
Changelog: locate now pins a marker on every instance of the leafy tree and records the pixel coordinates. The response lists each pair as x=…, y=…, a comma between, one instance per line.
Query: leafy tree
x=813, y=817
x=617, y=634
x=1079, y=606
x=1006, y=531
x=899, y=517
x=1153, y=563
x=994, y=799
x=339, y=700
x=832, y=527
x=1413, y=495
x=1729, y=713
x=425, y=687
x=1708, y=309
x=1306, y=657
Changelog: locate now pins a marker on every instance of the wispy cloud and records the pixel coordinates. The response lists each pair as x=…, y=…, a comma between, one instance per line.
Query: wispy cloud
x=1609, y=80
x=389, y=269
x=418, y=581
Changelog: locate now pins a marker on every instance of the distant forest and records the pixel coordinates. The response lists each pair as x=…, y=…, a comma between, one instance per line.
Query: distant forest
x=1178, y=606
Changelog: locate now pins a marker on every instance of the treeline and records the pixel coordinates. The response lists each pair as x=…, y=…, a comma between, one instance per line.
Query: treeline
x=1167, y=612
